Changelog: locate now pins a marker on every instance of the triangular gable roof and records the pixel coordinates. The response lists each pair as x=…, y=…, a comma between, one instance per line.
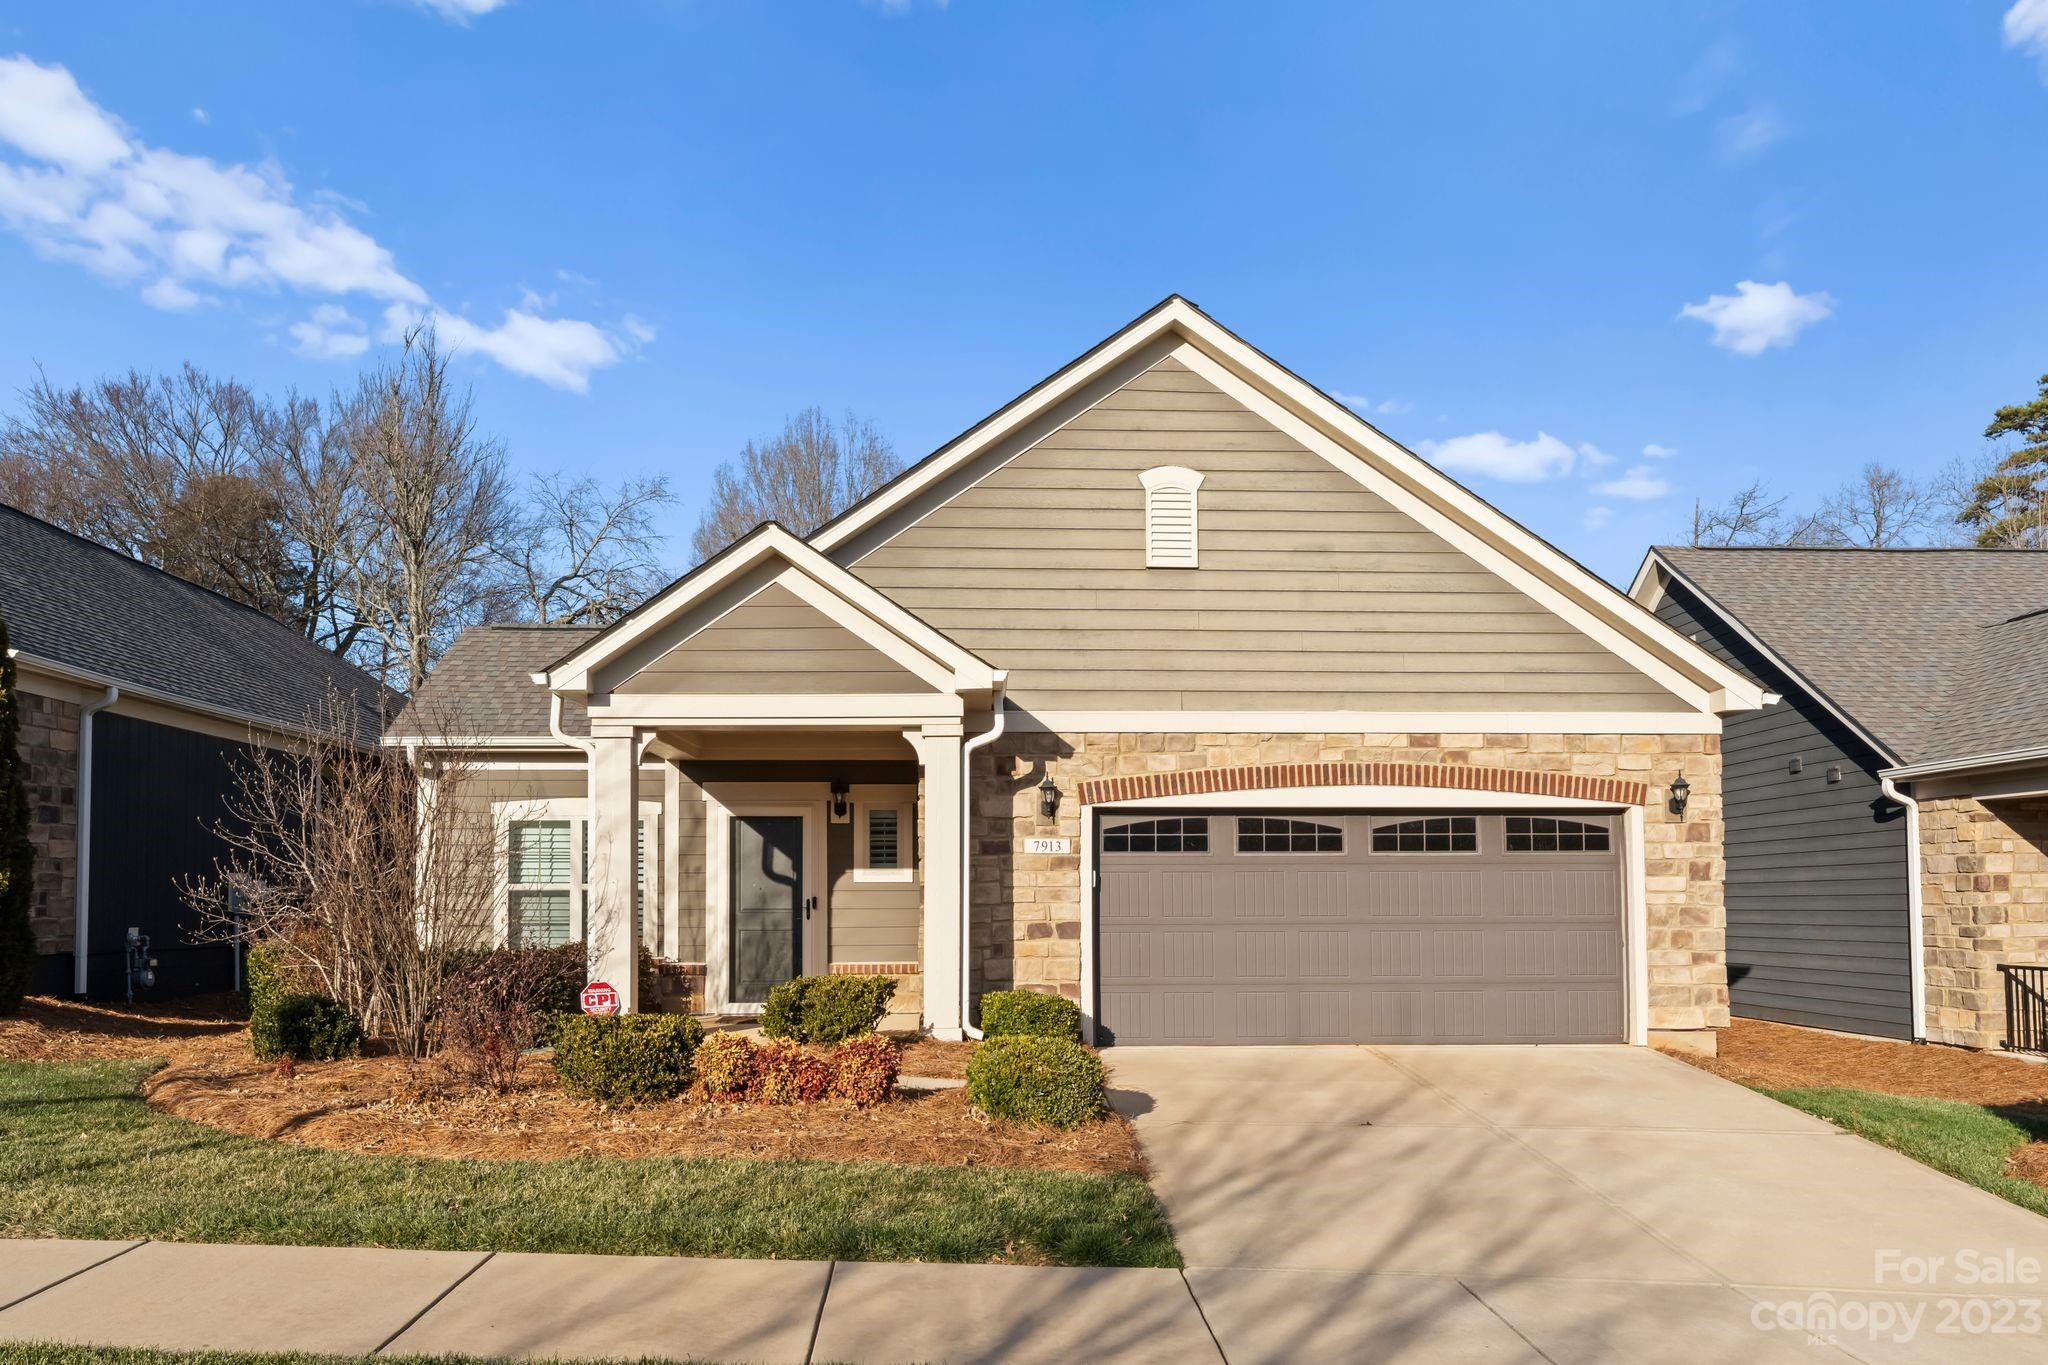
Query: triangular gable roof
x=1361, y=450
x=874, y=618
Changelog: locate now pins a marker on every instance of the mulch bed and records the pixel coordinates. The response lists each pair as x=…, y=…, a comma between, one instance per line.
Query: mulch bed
x=1783, y=1057
x=385, y=1105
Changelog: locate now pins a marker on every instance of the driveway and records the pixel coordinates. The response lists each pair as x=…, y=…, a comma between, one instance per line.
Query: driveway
x=1561, y=1203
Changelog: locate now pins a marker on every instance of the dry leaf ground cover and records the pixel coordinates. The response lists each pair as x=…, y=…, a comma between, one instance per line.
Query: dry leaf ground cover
x=97, y=1139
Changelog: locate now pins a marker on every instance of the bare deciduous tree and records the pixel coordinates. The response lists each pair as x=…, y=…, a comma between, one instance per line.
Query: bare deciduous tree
x=1751, y=517
x=422, y=568
x=586, y=555
x=1879, y=509
x=802, y=477
x=370, y=876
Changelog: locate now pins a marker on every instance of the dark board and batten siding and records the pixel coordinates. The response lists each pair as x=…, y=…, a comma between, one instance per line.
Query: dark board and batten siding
x=1818, y=901
x=159, y=795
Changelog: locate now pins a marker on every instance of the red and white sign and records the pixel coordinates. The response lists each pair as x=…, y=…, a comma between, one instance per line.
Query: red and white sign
x=600, y=998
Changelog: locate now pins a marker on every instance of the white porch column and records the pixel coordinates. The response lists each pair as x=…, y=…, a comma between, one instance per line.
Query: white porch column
x=938, y=753
x=611, y=888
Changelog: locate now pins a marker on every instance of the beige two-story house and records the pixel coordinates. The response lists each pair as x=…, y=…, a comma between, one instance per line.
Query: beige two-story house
x=1171, y=686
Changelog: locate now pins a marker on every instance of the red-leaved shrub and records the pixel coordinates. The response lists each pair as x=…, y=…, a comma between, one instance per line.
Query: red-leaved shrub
x=864, y=1070
x=790, y=1073
x=727, y=1067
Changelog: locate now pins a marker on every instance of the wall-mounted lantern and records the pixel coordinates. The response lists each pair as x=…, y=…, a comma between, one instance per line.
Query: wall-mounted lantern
x=1048, y=797
x=1681, y=792
x=841, y=812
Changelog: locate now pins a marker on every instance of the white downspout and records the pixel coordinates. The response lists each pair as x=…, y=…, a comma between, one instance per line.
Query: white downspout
x=967, y=752
x=1916, y=925
x=589, y=751
x=81, y=914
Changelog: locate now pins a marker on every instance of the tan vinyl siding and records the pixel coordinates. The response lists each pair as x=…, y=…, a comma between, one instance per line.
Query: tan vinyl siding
x=774, y=642
x=871, y=921
x=690, y=819
x=1313, y=593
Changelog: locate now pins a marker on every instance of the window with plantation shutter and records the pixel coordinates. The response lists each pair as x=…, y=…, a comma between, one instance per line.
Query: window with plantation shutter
x=1170, y=517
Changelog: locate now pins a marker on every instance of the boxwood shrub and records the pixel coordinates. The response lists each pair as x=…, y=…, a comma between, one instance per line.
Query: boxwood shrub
x=305, y=1028
x=626, y=1058
x=1012, y=1014
x=1036, y=1080
x=826, y=1009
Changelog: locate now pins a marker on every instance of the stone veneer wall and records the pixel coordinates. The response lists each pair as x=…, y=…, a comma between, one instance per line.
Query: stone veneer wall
x=1027, y=907
x=1984, y=893
x=49, y=750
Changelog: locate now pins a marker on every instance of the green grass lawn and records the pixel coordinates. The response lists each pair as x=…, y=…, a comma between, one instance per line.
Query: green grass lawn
x=82, y=1156
x=1966, y=1141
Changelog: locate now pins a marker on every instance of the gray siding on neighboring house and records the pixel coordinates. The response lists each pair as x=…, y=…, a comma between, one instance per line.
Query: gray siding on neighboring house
x=1312, y=593
x=1818, y=907
x=775, y=642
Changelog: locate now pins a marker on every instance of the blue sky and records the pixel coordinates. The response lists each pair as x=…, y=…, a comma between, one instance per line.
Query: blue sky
x=1516, y=235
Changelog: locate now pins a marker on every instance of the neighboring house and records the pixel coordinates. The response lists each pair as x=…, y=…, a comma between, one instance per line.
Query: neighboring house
x=1270, y=732
x=1887, y=815
x=138, y=691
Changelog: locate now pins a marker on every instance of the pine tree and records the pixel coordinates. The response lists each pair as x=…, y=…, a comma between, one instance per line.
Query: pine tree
x=2009, y=506
x=17, y=855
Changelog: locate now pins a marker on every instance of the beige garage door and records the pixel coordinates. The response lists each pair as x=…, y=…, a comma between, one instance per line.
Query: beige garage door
x=1381, y=927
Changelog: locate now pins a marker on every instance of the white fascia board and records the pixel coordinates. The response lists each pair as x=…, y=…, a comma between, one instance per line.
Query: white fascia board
x=2009, y=758
x=1674, y=662
x=839, y=594
x=1669, y=571
x=706, y=711
x=1368, y=722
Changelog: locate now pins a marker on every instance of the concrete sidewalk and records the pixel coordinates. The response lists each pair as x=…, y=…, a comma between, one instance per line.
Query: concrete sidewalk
x=362, y=1300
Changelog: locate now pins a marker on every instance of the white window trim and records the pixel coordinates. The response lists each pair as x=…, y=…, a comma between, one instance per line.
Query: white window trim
x=903, y=801
x=1173, y=478
x=576, y=811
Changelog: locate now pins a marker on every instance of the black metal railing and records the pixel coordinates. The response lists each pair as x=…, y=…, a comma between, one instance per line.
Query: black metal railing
x=2026, y=1005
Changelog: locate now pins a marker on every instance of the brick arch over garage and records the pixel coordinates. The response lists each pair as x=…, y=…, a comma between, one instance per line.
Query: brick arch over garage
x=1268, y=776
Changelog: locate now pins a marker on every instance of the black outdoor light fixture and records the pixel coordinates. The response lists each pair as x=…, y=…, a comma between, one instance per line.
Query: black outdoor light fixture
x=839, y=791
x=1048, y=797
x=1681, y=792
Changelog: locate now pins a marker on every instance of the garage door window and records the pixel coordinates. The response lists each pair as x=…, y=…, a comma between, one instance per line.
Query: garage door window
x=1178, y=835
x=1427, y=834
x=1276, y=834
x=1547, y=834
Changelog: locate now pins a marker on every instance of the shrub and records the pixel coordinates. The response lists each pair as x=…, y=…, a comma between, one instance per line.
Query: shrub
x=826, y=1009
x=1033, y=1014
x=264, y=978
x=727, y=1068
x=626, y=1058
x=498, y=1004
x=790, y=1073
x=864, y=1070
x=305, y=1028
x=1038, y=1080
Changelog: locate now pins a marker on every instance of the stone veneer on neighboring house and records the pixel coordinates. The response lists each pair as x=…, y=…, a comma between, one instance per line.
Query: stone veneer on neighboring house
x=1027, y=907
x=1984, y=887
x=49, y=751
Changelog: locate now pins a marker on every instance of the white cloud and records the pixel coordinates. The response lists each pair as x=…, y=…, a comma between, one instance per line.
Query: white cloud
x=1597, y=517
x=1656, y=452
x=1499, y=457
x=1593, y=455
x=183, y=230
x=461, y=11
x=1744, y=135
x=1757, y=317
x=1366, y=407
x=2026, y=28
x=199, y=115
x=330, y=333
x=1640, y=484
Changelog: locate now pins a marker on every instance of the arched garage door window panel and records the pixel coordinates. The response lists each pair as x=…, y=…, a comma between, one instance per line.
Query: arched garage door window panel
x=1278, y=834
x=1427, y=834
x=1177, y=834
x=1549, y=834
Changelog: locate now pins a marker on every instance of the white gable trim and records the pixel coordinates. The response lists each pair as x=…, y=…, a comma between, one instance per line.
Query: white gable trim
x=839, y=595
x=1376, y=461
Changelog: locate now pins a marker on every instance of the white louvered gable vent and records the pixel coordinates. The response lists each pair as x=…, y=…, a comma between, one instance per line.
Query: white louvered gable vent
x=1170, y=517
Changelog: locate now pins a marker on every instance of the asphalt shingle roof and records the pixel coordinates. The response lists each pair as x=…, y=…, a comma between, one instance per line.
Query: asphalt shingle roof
x=483, y=685
x=76, y=603
x=1938, y=654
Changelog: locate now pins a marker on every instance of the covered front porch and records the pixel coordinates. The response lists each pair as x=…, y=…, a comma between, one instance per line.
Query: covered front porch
x=807, y=737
